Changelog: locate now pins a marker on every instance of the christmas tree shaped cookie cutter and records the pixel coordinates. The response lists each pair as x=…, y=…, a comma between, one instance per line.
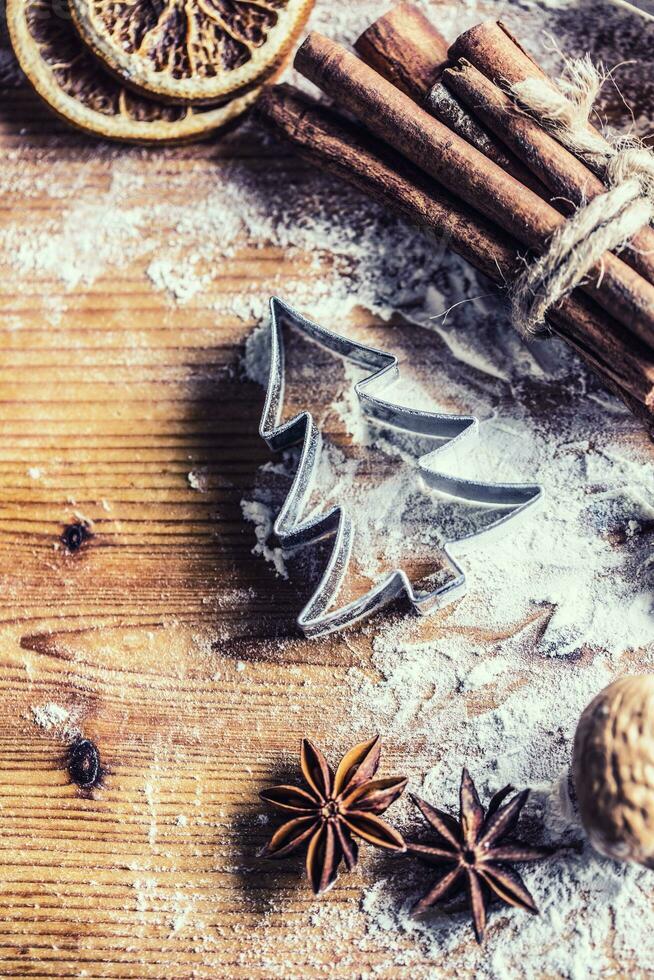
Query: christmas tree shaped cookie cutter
x=294, y=528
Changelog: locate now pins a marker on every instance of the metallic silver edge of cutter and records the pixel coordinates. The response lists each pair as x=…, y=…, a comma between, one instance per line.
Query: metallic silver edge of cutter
x=294, y=530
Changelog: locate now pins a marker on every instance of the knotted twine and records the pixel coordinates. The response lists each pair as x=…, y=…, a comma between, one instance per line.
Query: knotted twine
x=610, y=220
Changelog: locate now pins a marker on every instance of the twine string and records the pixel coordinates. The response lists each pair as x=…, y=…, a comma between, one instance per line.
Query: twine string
x=609, y=221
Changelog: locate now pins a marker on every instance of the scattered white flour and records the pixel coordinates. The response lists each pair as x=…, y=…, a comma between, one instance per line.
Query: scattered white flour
x=263, y=516
x=178, y=279
x=183, y=911
x=347, y=251
x=52, y=717
x=582, y=567
x=558, y=607
x=197, y=480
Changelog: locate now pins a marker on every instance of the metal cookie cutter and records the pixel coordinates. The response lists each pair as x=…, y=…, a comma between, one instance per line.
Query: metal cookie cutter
x=294, y=529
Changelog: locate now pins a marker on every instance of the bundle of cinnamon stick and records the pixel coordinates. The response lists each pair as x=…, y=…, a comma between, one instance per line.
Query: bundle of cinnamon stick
x=441, y=142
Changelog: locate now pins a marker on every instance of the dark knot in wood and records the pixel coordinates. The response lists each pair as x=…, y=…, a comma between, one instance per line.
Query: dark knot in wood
x=74, y=536
x=84, y=764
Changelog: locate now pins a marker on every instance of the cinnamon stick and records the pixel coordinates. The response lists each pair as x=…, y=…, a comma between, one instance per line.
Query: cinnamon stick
x=464, y=171
x=561, y=172
x=405, y=48
x=536, y=159
x=498, y=54
x=337, y=146
x=346, y=150
x=387, y=46
x=488, y=59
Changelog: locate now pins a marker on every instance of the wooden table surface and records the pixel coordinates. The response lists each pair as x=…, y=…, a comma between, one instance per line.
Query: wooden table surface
x=168, y=643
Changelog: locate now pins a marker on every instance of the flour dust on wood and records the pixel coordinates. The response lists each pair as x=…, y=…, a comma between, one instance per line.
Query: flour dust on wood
x=555, y=609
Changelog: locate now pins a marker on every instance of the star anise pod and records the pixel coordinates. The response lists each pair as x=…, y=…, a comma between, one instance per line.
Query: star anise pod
x=333, y=809
x=475, y=853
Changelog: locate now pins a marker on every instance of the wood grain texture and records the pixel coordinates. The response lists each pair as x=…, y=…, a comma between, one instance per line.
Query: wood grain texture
x=169, y=643
x=115, y=405
x=166, y=640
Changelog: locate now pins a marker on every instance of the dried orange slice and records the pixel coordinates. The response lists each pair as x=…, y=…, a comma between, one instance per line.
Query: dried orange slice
x=75, y=85
x=190, y=51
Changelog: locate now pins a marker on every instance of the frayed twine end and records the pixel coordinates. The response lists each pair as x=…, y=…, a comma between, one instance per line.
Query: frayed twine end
x=610, y=220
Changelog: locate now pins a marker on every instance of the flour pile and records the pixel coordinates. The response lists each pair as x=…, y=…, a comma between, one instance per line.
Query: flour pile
x=589, y=554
